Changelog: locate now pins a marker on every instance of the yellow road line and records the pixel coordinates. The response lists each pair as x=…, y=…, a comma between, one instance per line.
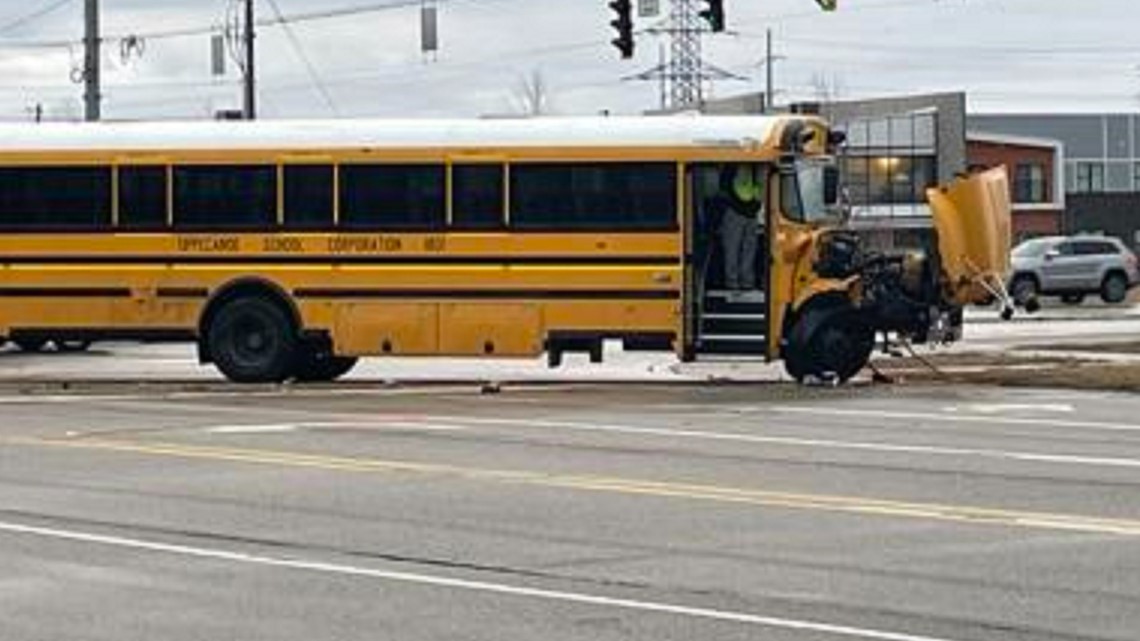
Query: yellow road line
x=698, y=492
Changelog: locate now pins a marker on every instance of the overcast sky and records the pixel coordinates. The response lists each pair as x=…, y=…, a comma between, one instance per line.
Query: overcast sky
x=1009, y=55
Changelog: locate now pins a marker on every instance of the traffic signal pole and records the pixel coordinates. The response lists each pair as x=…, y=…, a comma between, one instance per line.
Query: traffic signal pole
x=250, y=110
x=92, y=95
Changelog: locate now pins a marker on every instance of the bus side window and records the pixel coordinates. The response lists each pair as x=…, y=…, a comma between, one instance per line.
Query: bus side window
x=477, y=196
x=396, y=197
x=594, y=196
x=142, y=197
x=309, y=197
x=211, y=197
x=52, y=198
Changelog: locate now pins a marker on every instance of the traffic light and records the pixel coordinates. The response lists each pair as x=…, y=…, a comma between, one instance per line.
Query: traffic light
x=624, y=26
x=827, y=5
x=714, y=14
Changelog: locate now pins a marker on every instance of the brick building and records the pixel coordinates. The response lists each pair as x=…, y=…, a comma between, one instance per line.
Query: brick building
x=1036, y=172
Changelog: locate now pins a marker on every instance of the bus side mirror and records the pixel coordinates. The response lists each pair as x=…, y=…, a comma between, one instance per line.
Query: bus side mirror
x=831, y=192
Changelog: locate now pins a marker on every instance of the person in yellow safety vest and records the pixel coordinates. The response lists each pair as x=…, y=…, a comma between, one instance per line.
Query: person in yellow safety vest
x=743, y=192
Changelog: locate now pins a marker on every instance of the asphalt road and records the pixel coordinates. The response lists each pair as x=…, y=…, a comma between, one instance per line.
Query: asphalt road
x=570, y=512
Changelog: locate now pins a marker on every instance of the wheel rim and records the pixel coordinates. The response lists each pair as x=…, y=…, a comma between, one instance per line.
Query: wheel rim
x=253, y=342
x=841, y=351
x=1023, y=290
x=1116, y=289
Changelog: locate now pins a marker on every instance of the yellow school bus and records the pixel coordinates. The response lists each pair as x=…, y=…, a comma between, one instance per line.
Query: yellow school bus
x=287, y=250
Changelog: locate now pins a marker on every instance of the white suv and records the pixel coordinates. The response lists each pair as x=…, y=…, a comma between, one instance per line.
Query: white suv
x=1072, y=268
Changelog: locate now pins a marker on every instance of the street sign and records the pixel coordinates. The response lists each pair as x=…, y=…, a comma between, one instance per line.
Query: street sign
x=648, y=8
x=218, y=55
x=429, y=29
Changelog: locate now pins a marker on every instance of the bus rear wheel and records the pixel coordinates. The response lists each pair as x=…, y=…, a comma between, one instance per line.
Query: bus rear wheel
x=72, y=346
x=828, y=345
x=322, y=367
x=253, y=340
x=31, y=345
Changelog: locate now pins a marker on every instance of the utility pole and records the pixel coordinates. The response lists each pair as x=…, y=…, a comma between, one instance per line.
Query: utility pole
x=250, y=111
x=91, y=41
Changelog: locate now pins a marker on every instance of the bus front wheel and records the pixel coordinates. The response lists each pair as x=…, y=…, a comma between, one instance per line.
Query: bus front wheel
x=252, y=340
x=828, y=344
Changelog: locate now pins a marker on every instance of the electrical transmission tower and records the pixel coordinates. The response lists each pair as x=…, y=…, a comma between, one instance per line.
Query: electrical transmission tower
x=684, y=75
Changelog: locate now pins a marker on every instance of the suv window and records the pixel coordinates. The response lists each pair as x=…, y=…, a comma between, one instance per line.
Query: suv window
x=1095, y=248
x=1066, y=249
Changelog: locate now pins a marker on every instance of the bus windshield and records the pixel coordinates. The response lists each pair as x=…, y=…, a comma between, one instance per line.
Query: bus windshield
x=808, y=197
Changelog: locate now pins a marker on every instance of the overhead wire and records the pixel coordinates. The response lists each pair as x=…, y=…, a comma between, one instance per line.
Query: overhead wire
x=34, y=15
x=309, y=66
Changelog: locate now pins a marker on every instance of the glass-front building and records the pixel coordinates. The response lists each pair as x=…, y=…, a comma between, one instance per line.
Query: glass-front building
x=888, y=166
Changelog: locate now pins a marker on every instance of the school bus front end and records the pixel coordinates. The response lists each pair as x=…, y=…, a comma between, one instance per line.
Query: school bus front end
x=832, y=296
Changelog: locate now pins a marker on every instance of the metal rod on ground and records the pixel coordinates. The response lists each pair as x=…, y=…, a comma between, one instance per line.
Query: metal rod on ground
x=91, y=40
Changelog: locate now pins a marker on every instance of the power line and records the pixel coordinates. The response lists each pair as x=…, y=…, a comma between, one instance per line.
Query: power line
x=309, y=66
x=32, y=16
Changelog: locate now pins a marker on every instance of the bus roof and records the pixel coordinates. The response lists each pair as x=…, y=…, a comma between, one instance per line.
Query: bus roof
x=672, y=131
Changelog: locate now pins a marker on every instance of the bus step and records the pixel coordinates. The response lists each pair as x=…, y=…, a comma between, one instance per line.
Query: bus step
x=734, y=324
x=733, y=345
x=750, y=303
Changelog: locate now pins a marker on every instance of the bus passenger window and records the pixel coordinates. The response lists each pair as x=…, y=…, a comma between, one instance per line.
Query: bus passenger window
x=55, y=197
x=309, y=197
x=142, y=197
x=225, y=196
x=399, y=197
x=600, y=196
x=477, y=196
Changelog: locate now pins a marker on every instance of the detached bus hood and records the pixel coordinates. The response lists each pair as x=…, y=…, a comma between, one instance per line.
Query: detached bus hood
x=974, y=223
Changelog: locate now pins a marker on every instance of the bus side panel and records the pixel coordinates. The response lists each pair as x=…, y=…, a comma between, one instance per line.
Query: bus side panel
x=507, y=329
x=367, y=328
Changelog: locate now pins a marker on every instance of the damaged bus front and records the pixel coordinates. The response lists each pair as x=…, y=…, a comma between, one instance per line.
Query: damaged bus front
x=836, y=296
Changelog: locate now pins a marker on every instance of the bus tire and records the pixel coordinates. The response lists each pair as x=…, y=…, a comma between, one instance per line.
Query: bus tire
x=828, y=343
x=72, y=346
x=323, y=367
x=31, y=345
x=253, y=340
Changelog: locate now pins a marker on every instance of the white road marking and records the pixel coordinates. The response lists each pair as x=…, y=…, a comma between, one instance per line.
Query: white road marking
x=158, y=396
x=956, y=418
x=284, y=428
x=1035, y=457
x=1002, y=408
x=709, y=614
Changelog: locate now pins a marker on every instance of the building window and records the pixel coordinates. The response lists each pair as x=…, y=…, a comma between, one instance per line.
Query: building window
x=225, y=196
x=55, y=197
x=553, y=197
x=1136, y=177
x=1029, y=183
x=403, y=197
x=1090, y=177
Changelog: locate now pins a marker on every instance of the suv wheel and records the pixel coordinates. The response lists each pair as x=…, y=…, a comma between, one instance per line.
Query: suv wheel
x=1023, y=289
x=1114, y=289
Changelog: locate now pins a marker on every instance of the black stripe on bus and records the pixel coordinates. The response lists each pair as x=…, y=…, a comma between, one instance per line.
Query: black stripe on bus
x=64, y=292
x=491, y=294
x=182, y=292
x=655, y=260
